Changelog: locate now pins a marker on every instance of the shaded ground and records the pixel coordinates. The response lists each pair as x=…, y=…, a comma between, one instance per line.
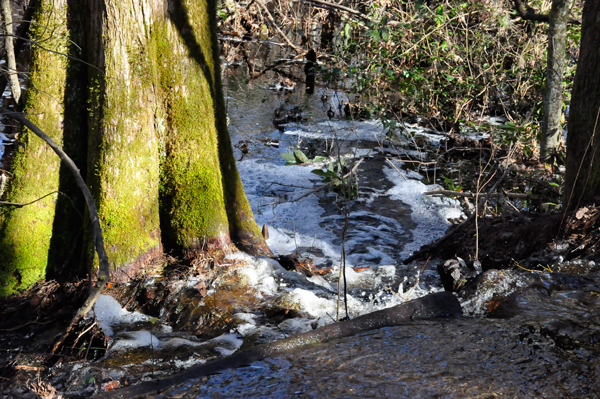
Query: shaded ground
x=530, y=239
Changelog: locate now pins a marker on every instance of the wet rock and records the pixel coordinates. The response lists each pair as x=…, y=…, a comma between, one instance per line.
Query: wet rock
x=489, y=289
x=455, y=273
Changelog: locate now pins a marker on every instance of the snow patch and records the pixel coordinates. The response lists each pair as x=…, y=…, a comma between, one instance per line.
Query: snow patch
x=109, y=313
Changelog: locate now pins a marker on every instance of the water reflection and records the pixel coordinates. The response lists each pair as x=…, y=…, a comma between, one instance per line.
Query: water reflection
x=456, y=358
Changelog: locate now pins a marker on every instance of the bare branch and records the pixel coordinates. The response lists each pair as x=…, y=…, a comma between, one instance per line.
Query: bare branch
x=103, y=269
x=530, y=15
x=19, y=205
x=332, y=6
x=472, y=195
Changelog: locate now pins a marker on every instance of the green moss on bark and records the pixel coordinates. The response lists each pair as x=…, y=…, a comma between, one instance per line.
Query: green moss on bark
x=125, y=168
x=203, y=197
x=192, y=190
x=25, y=233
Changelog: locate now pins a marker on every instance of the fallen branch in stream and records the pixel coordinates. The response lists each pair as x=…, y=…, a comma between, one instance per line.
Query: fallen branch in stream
x=428, y=248
x=103, y=268
x=433, y=305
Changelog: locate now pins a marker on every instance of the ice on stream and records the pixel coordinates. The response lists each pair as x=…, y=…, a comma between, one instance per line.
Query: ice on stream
x=298, y=222
x=109, y=313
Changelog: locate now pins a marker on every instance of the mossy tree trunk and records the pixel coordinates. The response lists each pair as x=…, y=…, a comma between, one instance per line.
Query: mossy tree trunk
x=26, y=233
x=582, y=180
x=123, y=172
x=159, y=159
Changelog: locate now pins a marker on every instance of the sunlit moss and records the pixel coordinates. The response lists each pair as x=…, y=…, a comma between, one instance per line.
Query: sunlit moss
x=26, y=233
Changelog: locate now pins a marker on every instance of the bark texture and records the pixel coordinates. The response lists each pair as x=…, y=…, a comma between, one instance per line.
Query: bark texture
x=553, y=89
x=582, y=180
x=123, y=169
x=9, y=47
x=158, y=155
x=26, y=233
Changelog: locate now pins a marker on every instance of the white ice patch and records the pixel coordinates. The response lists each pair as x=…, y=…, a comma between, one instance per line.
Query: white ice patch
x=259, y=274
x=371, y=130
x=109, y=313
x=136, y=339
x=297, y=221
x=229, y=344
x=430, y=214
x=246, y=323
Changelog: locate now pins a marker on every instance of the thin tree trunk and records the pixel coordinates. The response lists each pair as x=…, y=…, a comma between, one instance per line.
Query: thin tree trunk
x=582, y=180
x=553, y=89
x=10, y=50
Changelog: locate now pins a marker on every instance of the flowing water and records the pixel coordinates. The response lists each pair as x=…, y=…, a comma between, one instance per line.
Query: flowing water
x=538, y=336
x=543, y=344
x=540, y=341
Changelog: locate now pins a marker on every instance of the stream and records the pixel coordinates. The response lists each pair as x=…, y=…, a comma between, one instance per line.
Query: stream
x=540, y=341
x=523, y=334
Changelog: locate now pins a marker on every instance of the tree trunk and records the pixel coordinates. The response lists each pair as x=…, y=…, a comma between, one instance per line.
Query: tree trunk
x=123, y=164
x=159, y=159
x=582, y=180
x=26, y=233
x=553, y=89
x=9, y=48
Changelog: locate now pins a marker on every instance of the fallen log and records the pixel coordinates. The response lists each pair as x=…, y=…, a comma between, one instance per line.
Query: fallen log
x=433, y=305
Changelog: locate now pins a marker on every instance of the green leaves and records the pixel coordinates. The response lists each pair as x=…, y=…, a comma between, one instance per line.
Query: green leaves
x=297, y=157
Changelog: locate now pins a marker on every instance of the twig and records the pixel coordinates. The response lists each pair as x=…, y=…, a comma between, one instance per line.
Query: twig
x=331, y=6
x=283, y=35
x=330, y=183
x=439, y=241
x=472, y=195
x=28, y=203
x=83, y=333
x=416, y=281
x=394, y=166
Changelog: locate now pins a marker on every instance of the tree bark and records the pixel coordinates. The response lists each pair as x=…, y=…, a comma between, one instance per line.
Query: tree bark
x=159, y=159
x=582, y=180
x=123, y=152
x=9, y=48
x=26, y=233
x=553, y=89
